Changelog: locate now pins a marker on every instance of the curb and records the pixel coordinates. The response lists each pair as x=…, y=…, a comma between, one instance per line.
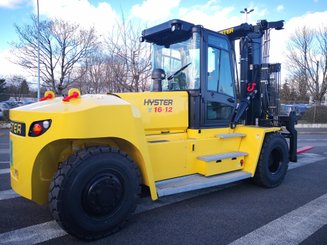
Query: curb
x=312, y=125
x=4, y=125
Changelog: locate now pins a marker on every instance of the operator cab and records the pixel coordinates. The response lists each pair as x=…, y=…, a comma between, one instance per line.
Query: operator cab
x=191, y=58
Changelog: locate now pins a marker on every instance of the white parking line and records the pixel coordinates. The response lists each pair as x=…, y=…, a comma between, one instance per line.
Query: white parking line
x=299, y=220
x=5, y=171
x=50, y=230
x=313, y=139
x=4, y=162
x=8, y=194
x=33, y=234
x=291, y=228
x=4, y=151
x=305, y=159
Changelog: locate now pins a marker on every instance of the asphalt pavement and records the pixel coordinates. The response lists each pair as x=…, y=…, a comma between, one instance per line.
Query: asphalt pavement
x=238, y=213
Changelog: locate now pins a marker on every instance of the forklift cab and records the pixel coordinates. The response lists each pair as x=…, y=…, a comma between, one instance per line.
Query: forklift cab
x=191, y=58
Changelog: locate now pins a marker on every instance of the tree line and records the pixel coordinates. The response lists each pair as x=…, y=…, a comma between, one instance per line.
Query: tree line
x=307, y=64
x=15, y=87
x=71, y=56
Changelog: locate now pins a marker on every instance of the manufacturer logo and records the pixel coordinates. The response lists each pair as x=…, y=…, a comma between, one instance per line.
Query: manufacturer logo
x=156, y=102
x=159, y=105
x=17, y=128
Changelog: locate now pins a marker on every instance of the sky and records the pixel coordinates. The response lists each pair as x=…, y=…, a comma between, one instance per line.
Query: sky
x=212, y=14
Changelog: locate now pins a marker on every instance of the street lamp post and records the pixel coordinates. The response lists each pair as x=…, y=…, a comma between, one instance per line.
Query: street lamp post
x=38, y=51
x=246, y=12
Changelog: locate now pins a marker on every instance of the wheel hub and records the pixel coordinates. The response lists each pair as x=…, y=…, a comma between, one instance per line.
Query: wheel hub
x=103, y=195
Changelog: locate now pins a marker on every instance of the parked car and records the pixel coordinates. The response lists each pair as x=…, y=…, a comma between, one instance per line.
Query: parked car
x=298, y=108
x=4, y=109
x=12, y=103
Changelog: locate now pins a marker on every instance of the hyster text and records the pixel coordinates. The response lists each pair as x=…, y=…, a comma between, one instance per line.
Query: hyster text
x=156, y=102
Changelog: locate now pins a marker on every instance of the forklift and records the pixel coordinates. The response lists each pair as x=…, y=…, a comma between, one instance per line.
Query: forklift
x=91, y=156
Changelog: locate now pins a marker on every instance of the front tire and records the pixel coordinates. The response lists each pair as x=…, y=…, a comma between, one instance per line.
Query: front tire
x=94, y=192
x=273, y=161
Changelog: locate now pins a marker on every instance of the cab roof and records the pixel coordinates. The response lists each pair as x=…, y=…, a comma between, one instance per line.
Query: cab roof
x=168, y=32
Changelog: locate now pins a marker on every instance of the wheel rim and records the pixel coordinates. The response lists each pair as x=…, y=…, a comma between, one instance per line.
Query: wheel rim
x=103, y=195
x=275, y=161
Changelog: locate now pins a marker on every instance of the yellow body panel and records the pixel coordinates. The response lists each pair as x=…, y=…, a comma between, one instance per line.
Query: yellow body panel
x=158, y=140
x=206, y=142
x=168, y=159
x=223, y=166
x=161, y=112
x=74, y=121
x=252, y=144
x=174, y=155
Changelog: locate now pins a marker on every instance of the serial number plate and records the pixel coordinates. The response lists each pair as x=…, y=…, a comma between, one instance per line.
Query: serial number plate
x=18, y=128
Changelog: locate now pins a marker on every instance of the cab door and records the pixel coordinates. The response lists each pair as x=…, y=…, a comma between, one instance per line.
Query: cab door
x=218, y=92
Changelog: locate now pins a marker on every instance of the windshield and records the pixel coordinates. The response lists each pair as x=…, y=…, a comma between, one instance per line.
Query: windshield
x=181, y=63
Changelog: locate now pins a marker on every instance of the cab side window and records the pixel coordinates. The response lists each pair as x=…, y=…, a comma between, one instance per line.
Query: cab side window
x=213, y=68
x=225, y=79
x=218, y=111
x=219, y=93
x=219, y=72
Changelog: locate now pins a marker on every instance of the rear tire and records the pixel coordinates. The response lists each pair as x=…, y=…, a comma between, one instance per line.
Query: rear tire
x=273, y=161
x=94, y=192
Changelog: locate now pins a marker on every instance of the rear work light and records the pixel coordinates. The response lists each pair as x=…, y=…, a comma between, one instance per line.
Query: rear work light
x=48, y=95
x=38, y=128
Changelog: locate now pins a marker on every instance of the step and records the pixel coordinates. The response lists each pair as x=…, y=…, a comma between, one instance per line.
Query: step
x=217, y=157
x=196, y=182
x=228, y=136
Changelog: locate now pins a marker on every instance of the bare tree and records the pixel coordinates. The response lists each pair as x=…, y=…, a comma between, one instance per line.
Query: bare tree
x=129, y=59
x=285, y=92
x=300, y=87
x=122, y=65
x=93, y=74
x=4, y=95
x=322, y=39
x=98, y=74
x=288, y=92
x=307, y=59
x=18, y=87
x=62, y=48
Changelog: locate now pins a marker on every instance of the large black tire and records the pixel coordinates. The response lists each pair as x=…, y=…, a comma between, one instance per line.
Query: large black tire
x=273, y=161
x=94, y=192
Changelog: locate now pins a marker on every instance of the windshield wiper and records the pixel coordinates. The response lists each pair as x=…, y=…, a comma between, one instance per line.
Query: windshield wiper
x=178, y=71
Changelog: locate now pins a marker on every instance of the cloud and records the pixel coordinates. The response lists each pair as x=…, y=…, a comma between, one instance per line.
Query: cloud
x=154, y=10
x=11, y=3
x=280, y=39
x=280, y=8
x=82, y=12
x=211, y=15
x=8, y=68
x=214, y=16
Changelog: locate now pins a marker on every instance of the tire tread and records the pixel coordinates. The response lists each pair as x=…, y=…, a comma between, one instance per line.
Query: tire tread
x=260, y=177
x=74, y=161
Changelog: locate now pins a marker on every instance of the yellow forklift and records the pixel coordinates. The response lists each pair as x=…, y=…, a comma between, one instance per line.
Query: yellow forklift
x=89, y=156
